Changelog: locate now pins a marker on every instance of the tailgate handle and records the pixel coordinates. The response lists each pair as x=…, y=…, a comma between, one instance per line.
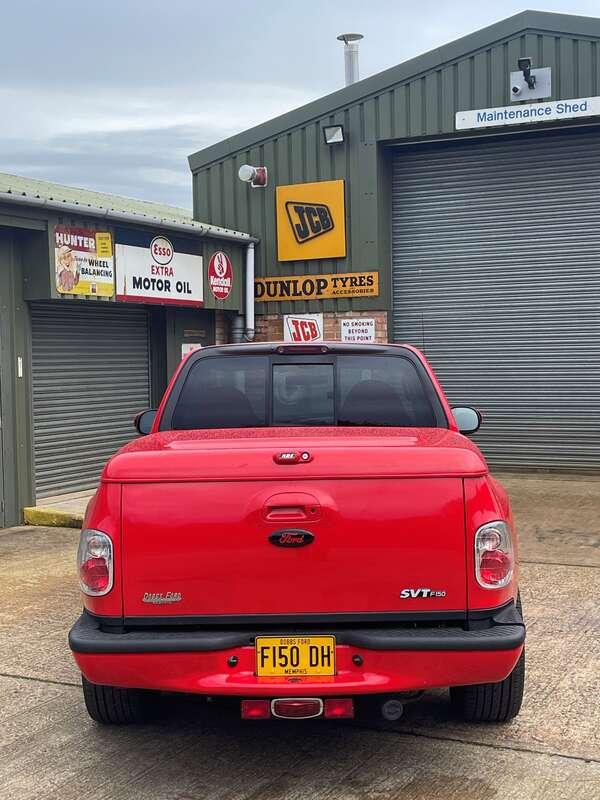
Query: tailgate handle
x=291, y=507
x=290, y=513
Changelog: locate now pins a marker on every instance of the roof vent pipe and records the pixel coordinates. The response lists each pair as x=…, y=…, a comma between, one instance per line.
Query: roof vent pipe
x=350, y=41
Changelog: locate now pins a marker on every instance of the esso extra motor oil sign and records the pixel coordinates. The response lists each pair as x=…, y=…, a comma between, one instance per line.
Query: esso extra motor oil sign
x=159, y=273
x=303, y=328
x=220, y=275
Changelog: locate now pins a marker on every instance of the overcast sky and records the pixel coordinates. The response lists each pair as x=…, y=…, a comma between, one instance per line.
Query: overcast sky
x=114, y=95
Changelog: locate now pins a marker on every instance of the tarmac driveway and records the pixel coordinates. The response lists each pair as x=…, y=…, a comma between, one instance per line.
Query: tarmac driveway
x=50, y=748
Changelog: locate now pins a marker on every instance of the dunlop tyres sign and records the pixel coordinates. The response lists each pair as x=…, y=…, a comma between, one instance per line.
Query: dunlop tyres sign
x=311, y=221
x=317, y=287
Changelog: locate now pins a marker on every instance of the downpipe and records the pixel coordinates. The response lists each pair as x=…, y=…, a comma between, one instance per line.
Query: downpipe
x=250, y=331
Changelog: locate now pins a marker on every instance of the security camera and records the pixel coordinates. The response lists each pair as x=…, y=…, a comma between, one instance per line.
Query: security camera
x=524, y=65
x=516, y=90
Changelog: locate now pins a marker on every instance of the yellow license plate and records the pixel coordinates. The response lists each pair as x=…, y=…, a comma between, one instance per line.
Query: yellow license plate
x=283, y=656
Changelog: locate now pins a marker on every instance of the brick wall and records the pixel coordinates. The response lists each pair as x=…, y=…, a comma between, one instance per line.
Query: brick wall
x=269, y=327
x=221, y=327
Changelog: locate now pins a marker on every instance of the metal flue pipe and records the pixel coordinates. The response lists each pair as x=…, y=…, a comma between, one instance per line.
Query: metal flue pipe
x=350, y=41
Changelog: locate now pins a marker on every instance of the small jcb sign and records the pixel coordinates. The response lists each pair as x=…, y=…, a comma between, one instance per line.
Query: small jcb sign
x=303, y=328
x=311, y=221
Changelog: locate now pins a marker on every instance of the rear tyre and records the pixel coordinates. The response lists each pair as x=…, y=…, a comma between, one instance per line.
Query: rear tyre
x=492, y=702
x=110, y=705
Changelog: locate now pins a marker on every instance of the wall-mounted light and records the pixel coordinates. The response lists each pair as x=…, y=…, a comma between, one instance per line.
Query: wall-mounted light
x=333, y=134
x=255, y=176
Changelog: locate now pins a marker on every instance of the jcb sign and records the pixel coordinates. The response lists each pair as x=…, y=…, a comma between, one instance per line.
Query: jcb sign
x=303, y=327
x=311, y=221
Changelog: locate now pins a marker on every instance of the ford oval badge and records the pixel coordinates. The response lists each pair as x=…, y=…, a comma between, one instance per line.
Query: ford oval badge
x=291, y=537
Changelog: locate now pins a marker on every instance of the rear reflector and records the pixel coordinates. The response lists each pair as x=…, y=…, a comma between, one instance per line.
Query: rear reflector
x=256, y=709
x=297, y=707
x=338, y=708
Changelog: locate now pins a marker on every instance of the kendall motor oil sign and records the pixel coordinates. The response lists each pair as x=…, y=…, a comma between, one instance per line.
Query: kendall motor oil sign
x=159, y=273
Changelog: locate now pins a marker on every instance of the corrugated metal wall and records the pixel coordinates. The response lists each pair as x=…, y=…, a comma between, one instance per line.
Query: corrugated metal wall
x=496, y=261
x=90, y=376
x=421, y=105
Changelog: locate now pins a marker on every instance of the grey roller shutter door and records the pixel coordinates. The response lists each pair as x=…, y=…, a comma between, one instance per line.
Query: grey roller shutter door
x=496, y=276
x=90, y=374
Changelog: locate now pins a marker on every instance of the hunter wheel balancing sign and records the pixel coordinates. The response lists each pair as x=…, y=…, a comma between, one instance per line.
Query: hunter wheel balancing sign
x=84, y=262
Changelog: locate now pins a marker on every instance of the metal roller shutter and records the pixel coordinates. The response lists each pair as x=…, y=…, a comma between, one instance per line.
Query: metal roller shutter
x=90, y=371
x=496, y=276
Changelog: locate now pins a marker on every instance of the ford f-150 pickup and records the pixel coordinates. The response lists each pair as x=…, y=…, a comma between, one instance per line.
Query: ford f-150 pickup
x=305, y=528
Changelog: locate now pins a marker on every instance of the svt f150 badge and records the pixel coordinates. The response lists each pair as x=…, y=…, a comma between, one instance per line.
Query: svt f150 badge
x=405, y=594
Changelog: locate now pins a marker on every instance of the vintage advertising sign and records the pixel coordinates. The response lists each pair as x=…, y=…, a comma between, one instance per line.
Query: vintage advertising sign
x=526, y=113
x=220, y=275
x=303, y=327
x=84, y=261
x=189, y=347
x=159, y=274
x=357, y=330
x=317, y=287
x=311, y=221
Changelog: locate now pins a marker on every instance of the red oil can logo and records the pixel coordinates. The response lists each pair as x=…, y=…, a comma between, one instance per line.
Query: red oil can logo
x=220, y=275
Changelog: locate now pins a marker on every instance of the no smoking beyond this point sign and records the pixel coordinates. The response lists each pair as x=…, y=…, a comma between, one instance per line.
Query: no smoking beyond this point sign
x=357, y=330
x=220, y=275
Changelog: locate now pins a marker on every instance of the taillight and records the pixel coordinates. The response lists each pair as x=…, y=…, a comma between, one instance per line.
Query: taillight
x=494, y=559
x=95, y=563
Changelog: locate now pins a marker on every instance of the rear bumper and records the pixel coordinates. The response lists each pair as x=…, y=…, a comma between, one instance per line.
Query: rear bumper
x=394, y=659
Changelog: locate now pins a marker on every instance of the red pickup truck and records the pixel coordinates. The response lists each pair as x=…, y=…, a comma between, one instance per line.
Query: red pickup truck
x=305, y=528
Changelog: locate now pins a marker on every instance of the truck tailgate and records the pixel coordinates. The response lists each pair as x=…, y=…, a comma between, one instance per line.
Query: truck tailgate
x=203, y=547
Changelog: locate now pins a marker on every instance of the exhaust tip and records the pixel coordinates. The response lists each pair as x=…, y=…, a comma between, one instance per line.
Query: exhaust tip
x=392, y=710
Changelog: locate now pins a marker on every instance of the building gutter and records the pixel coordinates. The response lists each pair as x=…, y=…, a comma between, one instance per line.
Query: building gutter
x=192, y=228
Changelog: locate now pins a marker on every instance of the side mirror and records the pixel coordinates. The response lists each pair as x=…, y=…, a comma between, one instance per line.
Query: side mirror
x=468, y=419
x=144, y=420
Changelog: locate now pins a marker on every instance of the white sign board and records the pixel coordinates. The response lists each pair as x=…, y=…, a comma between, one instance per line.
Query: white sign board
x=357, y=330
x=303, y=328
x=531, y=112
x=157, y=274
x=189, y=347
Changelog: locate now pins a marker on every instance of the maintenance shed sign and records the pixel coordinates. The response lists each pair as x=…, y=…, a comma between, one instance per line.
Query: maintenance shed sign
x=159, y=273
x=527, y=113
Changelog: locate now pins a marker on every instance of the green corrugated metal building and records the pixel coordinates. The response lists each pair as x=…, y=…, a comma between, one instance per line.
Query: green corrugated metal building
x=477, y=204
x=77, y=361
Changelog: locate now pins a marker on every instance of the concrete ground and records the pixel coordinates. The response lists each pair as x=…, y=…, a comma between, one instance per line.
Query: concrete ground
x=50, y=749
x=66, y=510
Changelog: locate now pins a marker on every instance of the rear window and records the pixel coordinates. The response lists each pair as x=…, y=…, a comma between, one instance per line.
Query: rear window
x=254, y=391
x=225, y=392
